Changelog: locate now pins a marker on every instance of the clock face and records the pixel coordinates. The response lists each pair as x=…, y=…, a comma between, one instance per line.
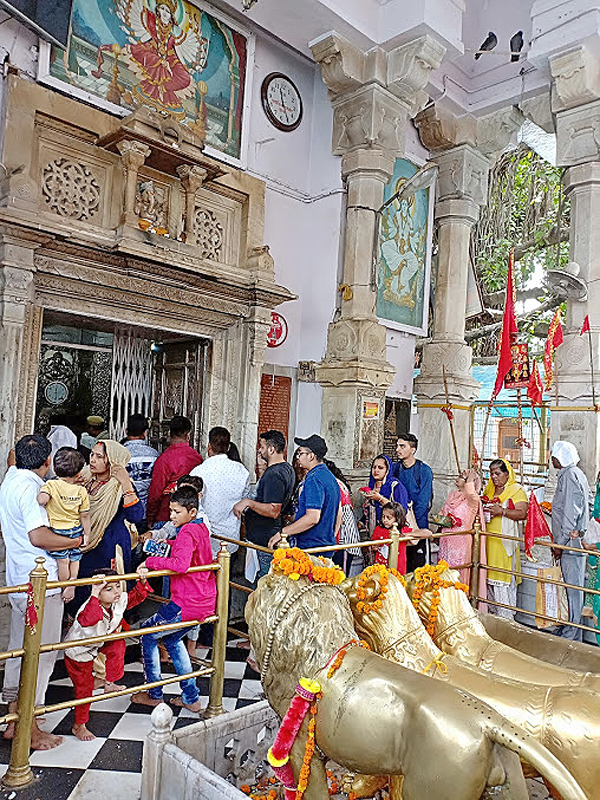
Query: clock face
x=281, y=101
x=56, y=393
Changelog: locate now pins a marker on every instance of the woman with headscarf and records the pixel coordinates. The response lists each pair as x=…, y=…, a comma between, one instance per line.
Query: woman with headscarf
x=462, y=506
x=113, y=502
x=383, y=488
x=506, y=504
x=569, y=525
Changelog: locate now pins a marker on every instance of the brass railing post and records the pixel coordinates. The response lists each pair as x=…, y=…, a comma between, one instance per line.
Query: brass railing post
x=394, y=547
x=215, y=701
x=19, y=772
x=476, y=555
x=284, y=541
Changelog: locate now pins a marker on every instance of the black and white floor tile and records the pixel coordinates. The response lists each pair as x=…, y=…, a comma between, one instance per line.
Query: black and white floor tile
x=88, y=770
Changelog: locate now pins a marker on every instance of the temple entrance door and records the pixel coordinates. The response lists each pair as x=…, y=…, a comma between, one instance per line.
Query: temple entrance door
x=179, y=378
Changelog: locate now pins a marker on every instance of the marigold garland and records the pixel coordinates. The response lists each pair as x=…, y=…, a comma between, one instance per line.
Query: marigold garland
x=338, y=658
x=294, y=562
x=361, y=593
x=428, y=578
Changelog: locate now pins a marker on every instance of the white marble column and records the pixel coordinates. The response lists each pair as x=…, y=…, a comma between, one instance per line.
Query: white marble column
x=576, y=89
x=16, y=293
x=373, y=96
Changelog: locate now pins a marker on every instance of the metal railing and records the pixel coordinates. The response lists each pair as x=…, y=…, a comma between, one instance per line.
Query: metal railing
x=19, y=773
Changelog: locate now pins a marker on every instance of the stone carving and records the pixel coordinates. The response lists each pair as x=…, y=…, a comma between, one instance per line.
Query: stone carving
x=578, y=135
x=441, y=130
x=260, y=262
x=539, y=110
x=150, y=207
x=342, y=64
x=372, y=117
x=463, y=174
x=409, y=66
x=576, y=77
x=208, y=234
x=495, y=131
x=70, y=189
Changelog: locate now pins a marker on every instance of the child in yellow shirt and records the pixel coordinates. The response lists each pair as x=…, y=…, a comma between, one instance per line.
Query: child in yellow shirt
x=68, y=507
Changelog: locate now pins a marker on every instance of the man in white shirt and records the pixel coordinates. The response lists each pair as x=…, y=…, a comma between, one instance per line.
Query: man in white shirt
x=226, y=482
x=27, y=536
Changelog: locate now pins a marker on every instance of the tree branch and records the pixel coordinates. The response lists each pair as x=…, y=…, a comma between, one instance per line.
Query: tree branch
x=478, y=333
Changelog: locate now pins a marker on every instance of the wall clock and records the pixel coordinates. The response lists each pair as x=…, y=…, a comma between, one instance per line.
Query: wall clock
x=281, y=101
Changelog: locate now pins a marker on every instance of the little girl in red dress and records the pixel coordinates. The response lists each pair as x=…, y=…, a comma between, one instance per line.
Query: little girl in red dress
x=391, y=514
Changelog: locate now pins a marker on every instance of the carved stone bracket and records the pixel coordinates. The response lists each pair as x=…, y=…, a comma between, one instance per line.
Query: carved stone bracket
x=260, y=263
x=578, y=135
x=576, y=77
x=374, y=93
x=495, y=131
x=463, y=174
x=539, y=110
x=133, y=155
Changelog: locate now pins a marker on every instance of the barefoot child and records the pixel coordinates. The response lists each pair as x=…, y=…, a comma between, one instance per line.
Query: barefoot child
x=192, y=598
x=391, y=514
x=100, y=615
x=68, y=508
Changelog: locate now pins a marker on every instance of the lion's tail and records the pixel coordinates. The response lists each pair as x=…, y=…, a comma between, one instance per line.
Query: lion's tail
x=532, y=751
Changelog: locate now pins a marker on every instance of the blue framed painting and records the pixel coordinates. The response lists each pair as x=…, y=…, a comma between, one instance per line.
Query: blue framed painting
x=171, y=55
x=404, y=268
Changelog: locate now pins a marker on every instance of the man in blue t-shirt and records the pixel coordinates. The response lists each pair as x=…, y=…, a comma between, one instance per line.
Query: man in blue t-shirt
x=417, y=478
x=319, y=511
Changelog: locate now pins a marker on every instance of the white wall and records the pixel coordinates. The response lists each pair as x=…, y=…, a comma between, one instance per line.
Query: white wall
x=303, y=209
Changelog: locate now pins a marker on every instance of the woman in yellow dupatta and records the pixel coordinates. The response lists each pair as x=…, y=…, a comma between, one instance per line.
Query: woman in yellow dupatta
x=506, y=503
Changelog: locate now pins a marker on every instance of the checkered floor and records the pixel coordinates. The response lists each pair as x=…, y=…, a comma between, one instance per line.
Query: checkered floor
x=88, y=770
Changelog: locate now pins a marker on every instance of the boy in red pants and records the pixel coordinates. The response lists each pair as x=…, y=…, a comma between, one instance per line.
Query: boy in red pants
x=100, y=615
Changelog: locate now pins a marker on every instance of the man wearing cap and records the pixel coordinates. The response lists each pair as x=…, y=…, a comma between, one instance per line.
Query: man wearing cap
x=569, y=524
x=95, y=431
x=319, y=511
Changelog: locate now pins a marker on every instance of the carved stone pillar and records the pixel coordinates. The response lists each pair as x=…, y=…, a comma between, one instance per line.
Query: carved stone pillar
x=575, y=99
x=462, y=189
x=133, y=155
x=373, y=96
x=192, y=179
x=16, y=294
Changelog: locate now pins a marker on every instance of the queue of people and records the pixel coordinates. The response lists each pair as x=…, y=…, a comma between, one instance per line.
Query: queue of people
x=77, y=520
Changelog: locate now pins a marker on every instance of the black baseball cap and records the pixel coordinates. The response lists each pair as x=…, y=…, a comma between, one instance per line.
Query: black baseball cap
x=314, y=443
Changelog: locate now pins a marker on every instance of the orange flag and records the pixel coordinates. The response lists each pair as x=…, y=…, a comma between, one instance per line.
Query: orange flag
x=535, y=388
x=555, y=338
x=536, y=526
x=509, y=330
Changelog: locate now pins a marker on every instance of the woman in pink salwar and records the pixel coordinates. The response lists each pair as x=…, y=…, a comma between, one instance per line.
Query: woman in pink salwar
x=462, y=505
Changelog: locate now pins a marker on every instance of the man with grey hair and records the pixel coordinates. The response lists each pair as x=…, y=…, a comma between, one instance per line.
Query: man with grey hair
x=570, y=513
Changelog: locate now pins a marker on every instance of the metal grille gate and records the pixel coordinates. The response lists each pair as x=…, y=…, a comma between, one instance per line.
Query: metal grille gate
x=131, y=378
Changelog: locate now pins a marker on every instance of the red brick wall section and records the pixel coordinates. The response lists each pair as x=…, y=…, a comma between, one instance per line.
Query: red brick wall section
x=275, y=396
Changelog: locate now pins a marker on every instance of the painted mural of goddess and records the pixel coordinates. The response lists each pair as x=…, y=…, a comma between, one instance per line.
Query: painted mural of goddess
x=166, y=49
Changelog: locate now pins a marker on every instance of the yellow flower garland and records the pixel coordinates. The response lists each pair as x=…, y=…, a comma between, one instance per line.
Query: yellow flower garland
x=428, y=578
x=294, y=562
x=361, y=593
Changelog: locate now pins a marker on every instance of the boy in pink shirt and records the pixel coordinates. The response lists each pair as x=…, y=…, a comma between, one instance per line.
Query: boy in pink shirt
x=193, y=598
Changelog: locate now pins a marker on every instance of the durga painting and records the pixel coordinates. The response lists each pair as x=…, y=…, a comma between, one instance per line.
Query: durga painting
x=167, y=54
x=166, y=47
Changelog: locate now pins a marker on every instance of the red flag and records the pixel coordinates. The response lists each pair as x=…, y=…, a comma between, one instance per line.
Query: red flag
x=509, y=330
x=555, y=338
x=535, y=388
x=536, y=526
x=586, y=325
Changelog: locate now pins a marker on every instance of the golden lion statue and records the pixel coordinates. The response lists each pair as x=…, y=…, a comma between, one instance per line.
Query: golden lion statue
x=565, y=720
x=545, y=646
x=374, y=716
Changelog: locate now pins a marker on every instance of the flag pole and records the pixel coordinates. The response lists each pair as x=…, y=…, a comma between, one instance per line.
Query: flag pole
x=448, y=412
x=589, y=333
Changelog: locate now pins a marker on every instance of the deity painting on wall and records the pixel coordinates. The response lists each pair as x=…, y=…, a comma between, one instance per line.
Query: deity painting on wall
x=170, y=55
x=405, y=255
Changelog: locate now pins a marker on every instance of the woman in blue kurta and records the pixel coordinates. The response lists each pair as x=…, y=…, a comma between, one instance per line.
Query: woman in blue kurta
x=113, y=501
x=383, y=488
